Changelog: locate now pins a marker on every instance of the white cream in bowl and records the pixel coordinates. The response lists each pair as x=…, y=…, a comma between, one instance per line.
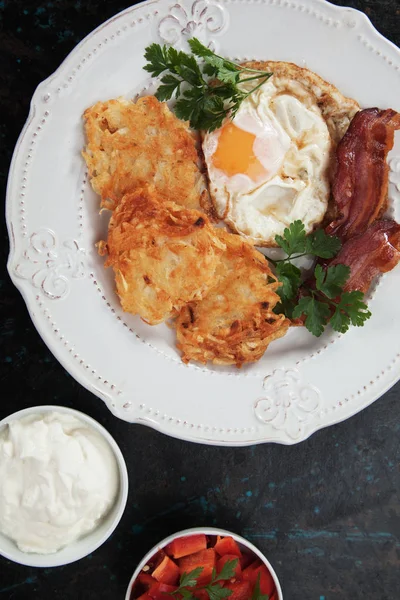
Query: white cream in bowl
x=58, y=479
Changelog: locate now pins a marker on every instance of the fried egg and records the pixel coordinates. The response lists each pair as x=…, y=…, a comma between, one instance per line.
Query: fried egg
x=271, y=164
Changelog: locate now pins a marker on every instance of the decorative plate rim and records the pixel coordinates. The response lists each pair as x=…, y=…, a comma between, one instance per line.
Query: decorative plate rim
x=137, y=416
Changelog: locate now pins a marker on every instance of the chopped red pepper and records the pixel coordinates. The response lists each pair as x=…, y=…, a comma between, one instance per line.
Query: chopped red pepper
x=146, y=580
x=155, y=560
x=248, y=572
x=159, y=591
x=142, y=585
x=267, y=585
x=201, y=594
x=187, y=545
x=226, y=558
x=227, y=545
x=211, y=554
x=241, y=590
x=167, y=572
x=205, y=559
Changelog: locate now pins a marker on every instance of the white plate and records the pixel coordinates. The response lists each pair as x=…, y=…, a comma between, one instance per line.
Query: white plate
x=302, y=383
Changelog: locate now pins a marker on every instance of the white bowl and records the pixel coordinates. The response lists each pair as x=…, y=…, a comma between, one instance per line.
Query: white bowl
x=90, y=542
x=207, y=531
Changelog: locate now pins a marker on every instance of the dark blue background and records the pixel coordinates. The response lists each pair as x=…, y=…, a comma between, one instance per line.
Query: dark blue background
x=326, y=513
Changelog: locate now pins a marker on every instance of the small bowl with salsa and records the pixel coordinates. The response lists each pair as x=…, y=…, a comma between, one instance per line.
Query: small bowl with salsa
x=205, y=564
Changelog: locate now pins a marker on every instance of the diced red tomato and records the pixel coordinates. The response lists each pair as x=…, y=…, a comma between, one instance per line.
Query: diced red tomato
x=142, y=585
x=201, y=594
x=156, y=560
x=226, y=558
x=185, y=554
x=187, y=545
x=159, y=591
x=167, y=572
x=248, y=572
x=146, y=580
x=241, y=590
x=205, y=559
x=267, y=585
x=227, y=545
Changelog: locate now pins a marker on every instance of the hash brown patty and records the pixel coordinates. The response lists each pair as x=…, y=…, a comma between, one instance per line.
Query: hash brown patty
x=133, y=144
x=234, y=323
x=163, y=255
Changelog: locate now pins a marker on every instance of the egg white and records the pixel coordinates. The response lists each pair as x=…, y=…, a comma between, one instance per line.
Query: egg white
x=294, y=146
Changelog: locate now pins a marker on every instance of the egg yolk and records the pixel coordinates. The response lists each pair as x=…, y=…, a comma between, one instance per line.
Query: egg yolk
x=235, y=155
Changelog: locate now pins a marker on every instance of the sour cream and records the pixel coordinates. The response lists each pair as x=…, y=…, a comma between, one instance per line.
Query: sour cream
x=58, y=479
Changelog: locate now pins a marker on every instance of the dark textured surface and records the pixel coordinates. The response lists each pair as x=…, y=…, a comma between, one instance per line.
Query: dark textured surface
x=326, y=512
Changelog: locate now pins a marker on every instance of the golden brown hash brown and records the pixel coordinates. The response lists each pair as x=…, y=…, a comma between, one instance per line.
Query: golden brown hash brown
x=132, y=144
x=235, y=322
x=163, y=255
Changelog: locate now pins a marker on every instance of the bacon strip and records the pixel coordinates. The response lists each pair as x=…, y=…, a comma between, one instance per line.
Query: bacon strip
x=361, y=182
x=375, y=251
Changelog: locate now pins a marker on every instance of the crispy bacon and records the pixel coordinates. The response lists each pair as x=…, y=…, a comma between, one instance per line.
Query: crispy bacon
x=375, y=251
x=361, y=183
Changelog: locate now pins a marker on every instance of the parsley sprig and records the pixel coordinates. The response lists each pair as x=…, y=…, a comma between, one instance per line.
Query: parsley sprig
x=213, y=589
x=187, y=580
x=321, y=300
x=207, y=93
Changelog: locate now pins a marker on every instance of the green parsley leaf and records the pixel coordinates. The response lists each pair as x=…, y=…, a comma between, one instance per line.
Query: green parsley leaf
x=228, y=76
x=331, y=281
x=186, y=594
x=227, y=91
x=257, y=595
x=184, y=111
x=285, y=307
x=216, y=592
x=170, y=86
x=350, y=310
x=203, y=102
x=317, y=314
x=215, y=61
x=324, y=300
x=352, y=303
x=225, y=71
x=227, y=571
x=210, y=70
x=293, y=240
x=199, y=49
x=202, y=112
x=157, y=59
x=340, y=321
x=190, y=579
x=289, y=275
x=188, y=69
x=322, y=245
